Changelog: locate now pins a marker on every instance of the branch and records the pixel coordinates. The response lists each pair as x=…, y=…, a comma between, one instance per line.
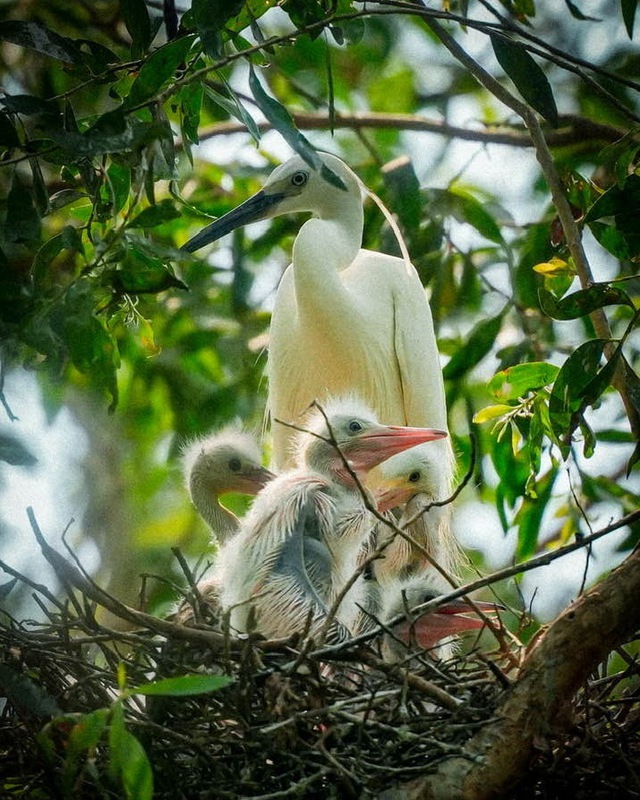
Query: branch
x=569, y=225
x=537, y=704
x=72, y=576
x=575, y=130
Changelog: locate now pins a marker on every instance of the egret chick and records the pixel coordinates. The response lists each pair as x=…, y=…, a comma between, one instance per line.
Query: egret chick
x=222, y=462
x=428, y=631
x=409, y=482
x=214, y=465
x=300, y=541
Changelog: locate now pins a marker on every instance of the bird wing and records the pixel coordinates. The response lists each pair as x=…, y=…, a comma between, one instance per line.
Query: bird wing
x=417, y=355
x=294, y=591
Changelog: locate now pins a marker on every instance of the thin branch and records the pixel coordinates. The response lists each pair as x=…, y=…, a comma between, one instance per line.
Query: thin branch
x=574, y=129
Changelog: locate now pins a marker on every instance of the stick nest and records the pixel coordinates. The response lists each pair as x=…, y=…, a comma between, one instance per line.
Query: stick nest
x=290, y=724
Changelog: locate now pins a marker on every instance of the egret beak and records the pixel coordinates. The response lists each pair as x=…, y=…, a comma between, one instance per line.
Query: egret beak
x=445, y=621
x=377, y=445
x=392, y=494
x=256, y=207
x=252, y=480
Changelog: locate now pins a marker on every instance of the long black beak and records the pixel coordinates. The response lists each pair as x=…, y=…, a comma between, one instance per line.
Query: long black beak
x=253, y=209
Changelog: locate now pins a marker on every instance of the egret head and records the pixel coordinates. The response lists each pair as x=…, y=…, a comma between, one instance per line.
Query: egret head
x=394, y=482
x=226, y=461
x=362, y=440
x=426, y=630
x=293, y=186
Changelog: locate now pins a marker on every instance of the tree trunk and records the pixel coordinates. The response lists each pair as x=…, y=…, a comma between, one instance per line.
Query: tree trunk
x=538, y=704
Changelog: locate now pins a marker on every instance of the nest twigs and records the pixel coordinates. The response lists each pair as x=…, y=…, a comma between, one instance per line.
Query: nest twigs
x=294, y=721
x=291, y=721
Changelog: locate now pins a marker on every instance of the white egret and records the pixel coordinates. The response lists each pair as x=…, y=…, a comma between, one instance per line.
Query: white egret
x=345, y=319
x=300, y=541
x=222, y=462
x=226, y=461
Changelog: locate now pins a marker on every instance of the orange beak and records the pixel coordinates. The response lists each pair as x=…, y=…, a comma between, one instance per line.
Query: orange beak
x=252, y=480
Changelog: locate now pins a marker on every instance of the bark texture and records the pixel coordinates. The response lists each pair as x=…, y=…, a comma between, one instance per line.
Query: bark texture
x=539, y=702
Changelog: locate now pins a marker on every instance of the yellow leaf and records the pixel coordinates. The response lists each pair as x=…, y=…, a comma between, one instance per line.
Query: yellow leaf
x=554, y=267
x=491, y=412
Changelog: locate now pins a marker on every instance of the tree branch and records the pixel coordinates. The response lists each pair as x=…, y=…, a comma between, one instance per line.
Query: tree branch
x=536, y=706
x=569, y=226
x=575, y=130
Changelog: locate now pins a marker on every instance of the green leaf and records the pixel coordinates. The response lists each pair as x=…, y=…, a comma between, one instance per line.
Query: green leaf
x=8, y=134
x=161, y=212
x=157, y=70
x=112, y=133
x=623, y=204
x=517, y=381
x=29, y=105
x=26, y=694
x=529, y=516
x=611, y=239
x=14, y=452
x=92, y=349
x=580, y=383
x=281, y=120
x=190, y=107
x=68, y=239
x=401, y=180
x=36, y=36
x=583, y=302
x=142, y=272
x=491, y=412
x=128, y=761
x=209, y=18
x=527, y=76
x=632, y=382
x=185, y=685
x=617, y=200
x=476, y=346
x=7, y=587
x=629, y=14
x=234, y=107
x=575, y=12
x=115, y=189
x=84, y=736
x=463, y=207
x=136, y=18
x=22, y=223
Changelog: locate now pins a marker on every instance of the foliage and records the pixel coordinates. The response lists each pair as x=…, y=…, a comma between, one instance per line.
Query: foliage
x=116, y=145
x=102, y=183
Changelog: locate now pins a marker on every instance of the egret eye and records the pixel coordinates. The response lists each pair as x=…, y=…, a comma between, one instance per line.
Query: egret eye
x=414, y=477
x=235, y=464
x=355, y=426
x=298, y=179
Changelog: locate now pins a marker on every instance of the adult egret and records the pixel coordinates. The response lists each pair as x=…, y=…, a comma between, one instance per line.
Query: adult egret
x=226, y=461
x=299, y=543
x=345, y=319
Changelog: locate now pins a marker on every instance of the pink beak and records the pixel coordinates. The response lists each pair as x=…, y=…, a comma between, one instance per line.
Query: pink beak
x=445, y=621
x=380, y=444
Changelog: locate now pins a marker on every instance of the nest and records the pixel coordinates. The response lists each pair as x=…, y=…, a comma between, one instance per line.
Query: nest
x=291, y=722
